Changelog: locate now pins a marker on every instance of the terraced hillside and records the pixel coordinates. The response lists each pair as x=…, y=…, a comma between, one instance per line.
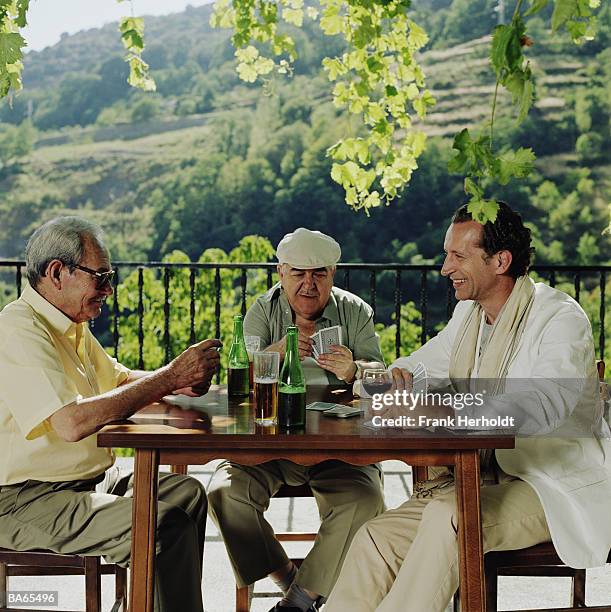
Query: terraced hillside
x=153, y=168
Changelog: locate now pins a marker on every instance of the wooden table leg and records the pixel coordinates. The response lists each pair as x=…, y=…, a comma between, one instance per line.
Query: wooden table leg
x=470, y=548
x=144, y=527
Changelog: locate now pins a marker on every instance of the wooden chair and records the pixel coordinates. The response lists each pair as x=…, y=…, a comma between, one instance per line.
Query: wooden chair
x=45, y=563
x=539, y=560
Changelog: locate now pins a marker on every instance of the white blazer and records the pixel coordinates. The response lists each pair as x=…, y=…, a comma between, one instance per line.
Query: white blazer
x=571, y=475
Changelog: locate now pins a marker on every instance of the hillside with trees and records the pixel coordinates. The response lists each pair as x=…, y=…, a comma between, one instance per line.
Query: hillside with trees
x=208, y=159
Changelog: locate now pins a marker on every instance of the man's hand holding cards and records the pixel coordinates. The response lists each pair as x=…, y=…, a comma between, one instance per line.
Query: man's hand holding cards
x=331, y=355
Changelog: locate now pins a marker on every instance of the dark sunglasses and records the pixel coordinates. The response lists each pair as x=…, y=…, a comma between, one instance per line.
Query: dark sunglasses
x=102, y=279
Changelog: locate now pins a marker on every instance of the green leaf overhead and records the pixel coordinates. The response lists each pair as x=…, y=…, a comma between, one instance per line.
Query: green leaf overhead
x=515, y=164
x=132, y=35
x=22, y=10
x=563, y=11
x=11, y=45
x=536, y=6
x=375, y=74
x=377, y=77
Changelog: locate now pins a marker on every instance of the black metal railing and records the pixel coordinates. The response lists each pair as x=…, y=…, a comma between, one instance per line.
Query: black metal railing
x=386, y=286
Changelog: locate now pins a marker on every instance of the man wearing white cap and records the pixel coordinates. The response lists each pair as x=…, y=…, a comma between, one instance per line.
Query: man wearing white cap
x=347, y=495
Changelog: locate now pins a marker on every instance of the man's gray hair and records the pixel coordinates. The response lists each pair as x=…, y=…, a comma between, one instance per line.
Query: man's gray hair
x=61, y=238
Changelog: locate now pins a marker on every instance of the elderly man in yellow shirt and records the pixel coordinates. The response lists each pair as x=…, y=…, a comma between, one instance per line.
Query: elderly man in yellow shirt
x=58, y=387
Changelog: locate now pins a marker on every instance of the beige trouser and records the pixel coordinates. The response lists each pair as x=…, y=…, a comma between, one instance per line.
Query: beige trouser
x=406, y=560
x=74, y=518
x=347, y=497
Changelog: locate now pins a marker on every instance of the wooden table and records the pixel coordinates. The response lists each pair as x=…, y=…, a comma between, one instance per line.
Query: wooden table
x=222, y=429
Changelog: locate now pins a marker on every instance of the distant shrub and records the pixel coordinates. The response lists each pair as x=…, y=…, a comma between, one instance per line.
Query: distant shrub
x=589, y=147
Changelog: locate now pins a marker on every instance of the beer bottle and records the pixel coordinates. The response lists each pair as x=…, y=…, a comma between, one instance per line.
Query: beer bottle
x=238, y=361
x=292, y=387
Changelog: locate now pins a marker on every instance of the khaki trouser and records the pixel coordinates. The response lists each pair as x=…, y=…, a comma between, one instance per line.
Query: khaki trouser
x=74, y=518
x=347, y=496
x=407, y=558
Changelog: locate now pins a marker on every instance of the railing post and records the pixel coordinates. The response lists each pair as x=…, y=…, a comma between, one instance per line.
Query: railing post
x=601, y=339
x=372, y=292
x=423, y=304
x=166, y=314
x=18, y=279
x=398, y=314
x=217, y=311
x=115, y=314
x=140, y=318
x=243, y=284
x=192, y=306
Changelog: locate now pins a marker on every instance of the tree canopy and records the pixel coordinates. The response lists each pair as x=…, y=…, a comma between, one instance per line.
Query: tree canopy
x=377, y=77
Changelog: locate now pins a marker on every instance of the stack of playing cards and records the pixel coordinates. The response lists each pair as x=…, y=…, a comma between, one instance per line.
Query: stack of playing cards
x=325, y=338
x=419, y=378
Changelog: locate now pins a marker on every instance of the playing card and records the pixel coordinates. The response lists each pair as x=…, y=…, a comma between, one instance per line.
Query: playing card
x=317, y=346
x=420, y=379
x=419, y=370
x=330, y=336
x=321, y=406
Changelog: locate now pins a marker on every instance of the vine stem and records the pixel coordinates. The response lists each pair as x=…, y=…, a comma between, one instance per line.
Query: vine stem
x=516, y=14
x=496, y=93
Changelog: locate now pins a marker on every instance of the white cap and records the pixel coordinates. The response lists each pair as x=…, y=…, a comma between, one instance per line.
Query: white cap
x=306, y=249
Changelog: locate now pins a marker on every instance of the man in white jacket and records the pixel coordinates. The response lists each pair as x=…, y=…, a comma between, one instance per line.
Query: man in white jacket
x=534, y=345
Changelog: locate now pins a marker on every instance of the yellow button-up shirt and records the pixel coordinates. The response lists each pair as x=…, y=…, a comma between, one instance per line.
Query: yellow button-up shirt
x=47, y=362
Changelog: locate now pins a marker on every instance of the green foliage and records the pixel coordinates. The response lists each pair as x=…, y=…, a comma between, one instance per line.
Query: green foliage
x=577, y=16
x=249, y=249
x=12, y=17
x=476, y=157
x=145, y=109
x=592, y=108
x=15, y=142
x=589, y=147
x=377, y=78
x=587, y=250
x=410, y=326
x=257, y=163
x=132, y=35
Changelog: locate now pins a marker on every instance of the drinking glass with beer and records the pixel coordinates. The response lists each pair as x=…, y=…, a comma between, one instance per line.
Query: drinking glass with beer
x=253, y=344
x=266, y=366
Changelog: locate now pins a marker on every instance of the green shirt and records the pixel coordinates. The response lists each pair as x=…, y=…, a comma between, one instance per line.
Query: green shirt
x=271, y=314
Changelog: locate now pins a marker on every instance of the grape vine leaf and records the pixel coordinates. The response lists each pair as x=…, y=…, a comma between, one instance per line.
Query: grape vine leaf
x=483, y=210
x=516, y=164
x=22, y=10
x=11, y=44
x=563, y=11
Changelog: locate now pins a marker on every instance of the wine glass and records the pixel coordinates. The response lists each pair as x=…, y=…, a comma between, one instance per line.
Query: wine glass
x=376, y=380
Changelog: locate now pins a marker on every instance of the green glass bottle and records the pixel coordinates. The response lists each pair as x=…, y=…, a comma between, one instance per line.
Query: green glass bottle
x=237, y=370
x=292, y=387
